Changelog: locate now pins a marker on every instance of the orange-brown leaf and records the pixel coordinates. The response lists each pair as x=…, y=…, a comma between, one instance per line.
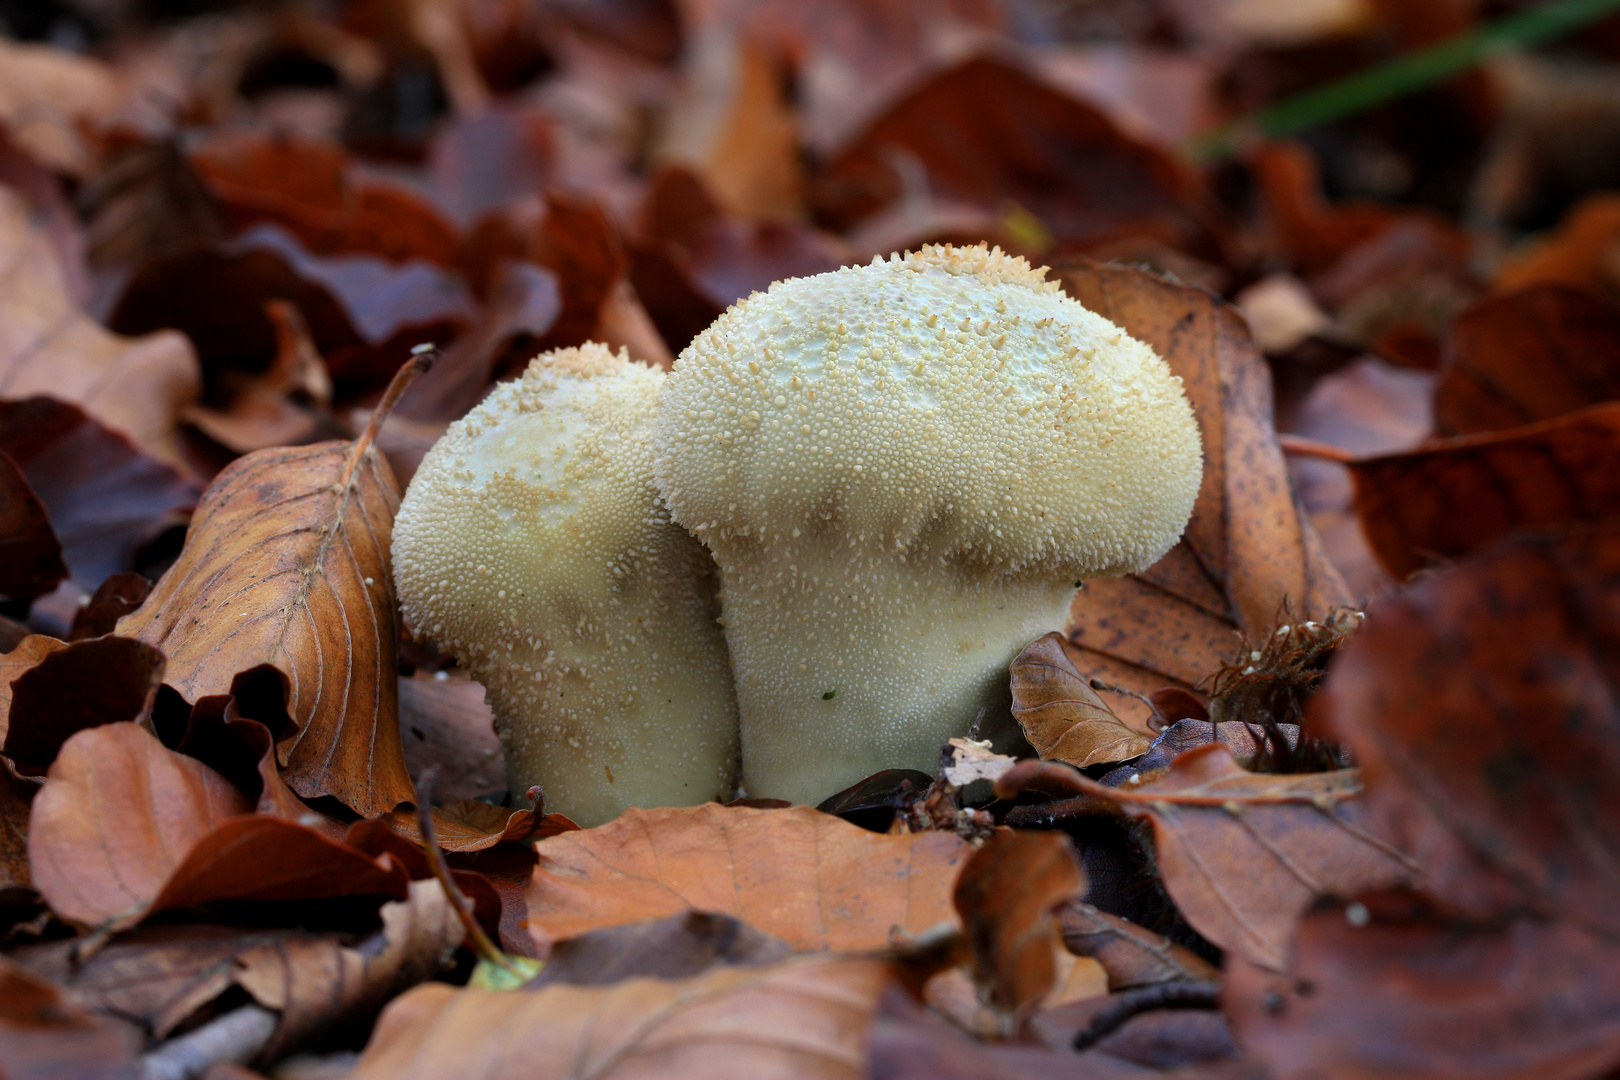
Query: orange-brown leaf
x=1248, y=547
x=1132, y=956
x=468, y=825
x=1007, y=897
x=136, y=386
x=1062, y=716
x=1456, y=496
x=806, y=1017
x=117, y=814
x=287, y=565
x=811, y=879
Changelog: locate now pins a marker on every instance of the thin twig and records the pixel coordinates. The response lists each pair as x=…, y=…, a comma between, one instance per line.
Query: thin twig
x=484, y=947
x=1181, y=994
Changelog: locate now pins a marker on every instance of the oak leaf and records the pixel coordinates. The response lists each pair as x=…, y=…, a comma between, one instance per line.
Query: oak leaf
x=813, y=880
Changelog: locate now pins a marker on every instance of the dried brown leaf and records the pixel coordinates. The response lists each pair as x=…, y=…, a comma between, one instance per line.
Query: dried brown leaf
x=308, y=187
x=445, y=724
x=101, y=680
x=1244, y=854
x=467, y=825
x=1131, y=955
x=813, y=880
x=1530, y=355
x=1400, y=989
x=1007, y=897
x=987, y=133
x=1455, y=496
x=677, y=947
x=16, y=800
x=287, y=565
x=320, y=984
x=1248, y=547
x=30, y=554
x=117, y=814
x=1062, y=716
x=804, y=1017
x=1481, y=702
x=136, y=386
x=107, y=499
x=46, y=1035
x=28, y=654
x=114, y=598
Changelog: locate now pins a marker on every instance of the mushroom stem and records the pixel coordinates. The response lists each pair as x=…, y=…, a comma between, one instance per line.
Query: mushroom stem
x=865, y=657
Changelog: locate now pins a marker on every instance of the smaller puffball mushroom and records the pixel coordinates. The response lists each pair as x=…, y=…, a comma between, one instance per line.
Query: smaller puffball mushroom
x=903, y=471
x=532, y=545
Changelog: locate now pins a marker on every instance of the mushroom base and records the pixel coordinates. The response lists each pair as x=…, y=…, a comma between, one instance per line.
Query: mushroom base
x=850, y=661
x=649, y=726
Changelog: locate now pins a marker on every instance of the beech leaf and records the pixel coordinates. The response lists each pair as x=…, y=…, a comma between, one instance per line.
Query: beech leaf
x=287, y=566
x=811, y=879
x=1249, y=546
x=806, y=1017
x=1062, y=716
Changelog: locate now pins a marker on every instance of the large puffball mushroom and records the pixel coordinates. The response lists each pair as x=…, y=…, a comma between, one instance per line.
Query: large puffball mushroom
x=903, y=470
x=532, y=546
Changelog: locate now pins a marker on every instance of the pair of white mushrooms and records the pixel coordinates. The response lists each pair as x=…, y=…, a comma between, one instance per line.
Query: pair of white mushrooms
x=901, y=471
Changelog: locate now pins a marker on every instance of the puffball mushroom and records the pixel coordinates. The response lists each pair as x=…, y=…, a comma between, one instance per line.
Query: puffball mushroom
x=532, y=545
x=903, y=470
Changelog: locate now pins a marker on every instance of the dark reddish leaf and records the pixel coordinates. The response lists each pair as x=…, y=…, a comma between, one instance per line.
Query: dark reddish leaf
x=1244, y=854
x=523, y=305
x=1007, y=897
x=479, y=164
x=30, y=554
x=1456, y=496
x=103, y=680
x=1399, y=989
x=46, y=1035
x=1131, y=955
x=1497, y=775
x=286, y=566
x=1527, y=356
x=1576, y=254
x=871, y=803
x=986, y=133
x=116, y=816
x=1248, y=548
x=106, y=498
x=24, y=656
x=16, y=798
x=1314, y=234
x=114, y=598
x=308, y=187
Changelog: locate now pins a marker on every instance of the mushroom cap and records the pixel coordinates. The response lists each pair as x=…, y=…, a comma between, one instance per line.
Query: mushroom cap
x=948, y=404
